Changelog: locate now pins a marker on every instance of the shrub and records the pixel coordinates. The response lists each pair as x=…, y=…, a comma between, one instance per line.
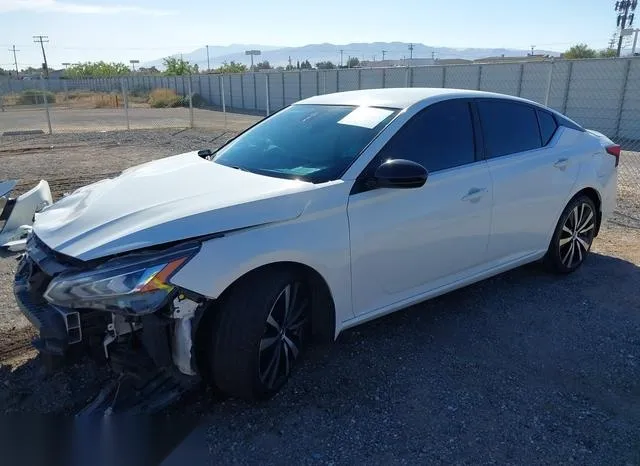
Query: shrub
x=162, y=98
x=35, y=96
x=196, y=100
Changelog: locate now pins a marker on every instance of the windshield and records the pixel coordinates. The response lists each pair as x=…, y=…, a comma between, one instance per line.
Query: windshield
x=315, y=143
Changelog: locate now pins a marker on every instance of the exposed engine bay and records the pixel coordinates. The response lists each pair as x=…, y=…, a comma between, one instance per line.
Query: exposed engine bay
x=148, y=342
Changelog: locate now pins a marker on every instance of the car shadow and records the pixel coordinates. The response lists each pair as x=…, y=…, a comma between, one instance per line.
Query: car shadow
x=523, y=336
x=525, y=325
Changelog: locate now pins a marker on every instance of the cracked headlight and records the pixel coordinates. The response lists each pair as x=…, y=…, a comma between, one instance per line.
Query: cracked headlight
x=135, y=284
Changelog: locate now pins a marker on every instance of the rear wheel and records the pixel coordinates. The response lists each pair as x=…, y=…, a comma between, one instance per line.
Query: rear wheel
x=260, y=333
x=573, y=236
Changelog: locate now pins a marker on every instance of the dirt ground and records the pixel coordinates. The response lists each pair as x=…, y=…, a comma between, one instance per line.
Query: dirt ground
x=65, y=120
x=525, y=367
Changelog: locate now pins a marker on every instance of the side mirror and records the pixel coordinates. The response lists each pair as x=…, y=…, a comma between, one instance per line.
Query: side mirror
x=400, y=173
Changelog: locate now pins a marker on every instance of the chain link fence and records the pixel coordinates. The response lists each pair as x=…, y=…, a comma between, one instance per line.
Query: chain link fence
x=600, y=94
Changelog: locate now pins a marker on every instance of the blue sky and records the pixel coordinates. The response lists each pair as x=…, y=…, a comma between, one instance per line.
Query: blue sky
x=81, y=30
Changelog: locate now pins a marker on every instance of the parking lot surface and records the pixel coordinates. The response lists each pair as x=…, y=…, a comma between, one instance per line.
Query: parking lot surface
x=523, y=368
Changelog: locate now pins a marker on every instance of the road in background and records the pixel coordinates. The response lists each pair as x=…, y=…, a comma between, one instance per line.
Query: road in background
x=110, y=119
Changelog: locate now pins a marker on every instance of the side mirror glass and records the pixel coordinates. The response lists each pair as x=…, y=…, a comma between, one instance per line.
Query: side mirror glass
x=400, y=173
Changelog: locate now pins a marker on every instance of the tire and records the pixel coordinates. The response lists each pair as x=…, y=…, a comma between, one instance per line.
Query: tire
x=569, y=248
x=256, y=339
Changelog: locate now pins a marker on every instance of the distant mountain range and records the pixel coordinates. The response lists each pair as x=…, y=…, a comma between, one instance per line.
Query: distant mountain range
x=279, y=56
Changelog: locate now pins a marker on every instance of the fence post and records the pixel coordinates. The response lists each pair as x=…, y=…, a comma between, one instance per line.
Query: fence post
x=284, y=90
x=190, y=103
x=46, y=103
x=244, y=105
x=255, y=92
x=359, y=78
x=567, y=88
x=66, y=90
x=520, y=79
x=125, y=98
x=622, y=96
x=324, y=82
x=549, y=81
x=479, y=86
x=299, y=84
x=224, y=107
x=384, y=78
x=444, y=77
x=406, y=77
x=318, y=82
x=231, y=91
x=209, y=84
x=266, y=81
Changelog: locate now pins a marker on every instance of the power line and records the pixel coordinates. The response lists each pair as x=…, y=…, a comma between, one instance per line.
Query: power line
x=42, y=40
x=15, y=60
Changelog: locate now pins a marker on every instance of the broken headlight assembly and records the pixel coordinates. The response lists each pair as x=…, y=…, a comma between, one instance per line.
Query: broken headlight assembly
x=134, y=284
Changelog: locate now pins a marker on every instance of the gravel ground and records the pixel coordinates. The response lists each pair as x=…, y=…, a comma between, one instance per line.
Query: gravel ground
x=525, y=367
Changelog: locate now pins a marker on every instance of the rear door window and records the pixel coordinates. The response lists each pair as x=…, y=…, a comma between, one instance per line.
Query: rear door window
x=508, y=127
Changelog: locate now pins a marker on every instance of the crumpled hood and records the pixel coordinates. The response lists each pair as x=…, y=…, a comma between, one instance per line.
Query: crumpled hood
x=166, y=200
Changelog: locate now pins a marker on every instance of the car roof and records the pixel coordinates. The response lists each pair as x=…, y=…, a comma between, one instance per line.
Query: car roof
x=399, y=98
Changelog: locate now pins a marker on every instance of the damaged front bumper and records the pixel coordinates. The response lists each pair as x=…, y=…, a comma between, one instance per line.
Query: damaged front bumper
x=141, y=348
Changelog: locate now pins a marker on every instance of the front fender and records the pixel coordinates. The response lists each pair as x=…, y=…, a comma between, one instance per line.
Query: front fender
x=319, y=241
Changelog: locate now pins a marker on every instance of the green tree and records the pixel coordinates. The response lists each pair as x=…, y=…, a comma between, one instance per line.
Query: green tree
x=232, y=67
x=305, y=65
x=608, y=53
x=263, y=65
x=353, y=62
x=580, y=51
x=325, y=65
x=178, y=66
x=96, y=69
x=4, y=72
x=150, y=70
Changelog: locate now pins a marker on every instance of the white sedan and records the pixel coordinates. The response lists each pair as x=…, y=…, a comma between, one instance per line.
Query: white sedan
x=334, y=211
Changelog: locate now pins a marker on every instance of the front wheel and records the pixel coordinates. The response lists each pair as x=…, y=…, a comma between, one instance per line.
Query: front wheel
x=260, y=333
x=573, y=236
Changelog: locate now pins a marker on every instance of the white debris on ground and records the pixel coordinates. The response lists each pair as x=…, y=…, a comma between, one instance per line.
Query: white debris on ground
x=18, y=215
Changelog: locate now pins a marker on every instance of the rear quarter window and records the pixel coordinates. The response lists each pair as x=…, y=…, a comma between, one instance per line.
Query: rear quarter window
x=548, y=126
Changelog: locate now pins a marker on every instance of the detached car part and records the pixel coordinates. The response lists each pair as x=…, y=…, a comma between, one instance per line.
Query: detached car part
x=17, y=215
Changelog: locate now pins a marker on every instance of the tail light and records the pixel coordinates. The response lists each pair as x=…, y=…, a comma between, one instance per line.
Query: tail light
x=614, y=149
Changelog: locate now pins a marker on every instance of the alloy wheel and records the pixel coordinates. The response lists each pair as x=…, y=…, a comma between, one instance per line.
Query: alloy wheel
x=577, y=235
x=282, y=340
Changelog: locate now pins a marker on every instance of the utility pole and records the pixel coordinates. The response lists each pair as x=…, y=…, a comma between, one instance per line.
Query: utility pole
x=623, y=7
x=42, y=40
x=15, y=60
x=433, y=55
x=410, y=54
x=532, y=48
x=208, y=62
x=341, y=55
x=384, y=52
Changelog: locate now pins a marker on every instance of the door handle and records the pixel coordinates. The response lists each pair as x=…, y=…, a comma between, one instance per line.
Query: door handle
x=474, y=194
x=561, y=163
